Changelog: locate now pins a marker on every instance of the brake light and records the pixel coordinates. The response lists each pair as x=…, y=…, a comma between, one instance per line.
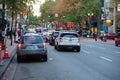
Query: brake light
x=31, y=36
x=78, y=40
x=53, y=37
x=44, y=45
x=19, y=45
x=60, y=39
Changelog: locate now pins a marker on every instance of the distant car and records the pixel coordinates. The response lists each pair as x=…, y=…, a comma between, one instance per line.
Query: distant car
x=109, y=36
x=117, y=42
x=29, y=31
x=31, y=46
x=67, y=40
x=38, y=30
x=52, y=38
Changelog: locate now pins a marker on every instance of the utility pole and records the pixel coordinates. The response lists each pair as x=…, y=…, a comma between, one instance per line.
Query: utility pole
x=102, y=14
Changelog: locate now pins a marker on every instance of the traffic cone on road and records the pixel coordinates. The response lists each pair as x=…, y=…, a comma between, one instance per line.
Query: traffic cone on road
x=6, y=55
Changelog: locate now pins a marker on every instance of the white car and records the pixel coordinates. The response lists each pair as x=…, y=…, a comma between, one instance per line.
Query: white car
x=67, y=40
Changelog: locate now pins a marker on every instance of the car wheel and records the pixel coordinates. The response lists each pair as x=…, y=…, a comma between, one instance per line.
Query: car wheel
x=55, y=47
x=58, y=48
x=45, y=58
x=116, y=44
x=19, y=59
x=78, y=49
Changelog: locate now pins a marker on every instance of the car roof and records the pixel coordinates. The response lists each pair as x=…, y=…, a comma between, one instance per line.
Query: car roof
x=68, y=32
x=29, y=34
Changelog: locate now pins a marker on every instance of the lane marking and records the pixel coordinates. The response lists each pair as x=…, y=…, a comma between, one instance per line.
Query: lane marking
x=86, y=52
x=50, y=59
x=106, y=58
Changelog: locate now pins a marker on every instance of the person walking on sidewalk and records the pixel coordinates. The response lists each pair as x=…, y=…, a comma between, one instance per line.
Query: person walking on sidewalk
x=19, y=33
x=95, y=36
x=14, y=34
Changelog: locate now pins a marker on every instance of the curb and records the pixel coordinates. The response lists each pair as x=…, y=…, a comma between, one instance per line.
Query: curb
x=7, y=63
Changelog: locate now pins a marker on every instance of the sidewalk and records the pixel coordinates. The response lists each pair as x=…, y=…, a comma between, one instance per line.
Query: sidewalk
x=6, y=62
x=84, y=39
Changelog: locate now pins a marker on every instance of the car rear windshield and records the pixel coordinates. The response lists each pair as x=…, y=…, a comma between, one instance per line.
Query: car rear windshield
x=68, y=35
x=55, y=33
x=33, y=40
x=38, y=30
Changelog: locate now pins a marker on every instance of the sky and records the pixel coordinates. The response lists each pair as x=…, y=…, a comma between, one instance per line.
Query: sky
x=36, y=7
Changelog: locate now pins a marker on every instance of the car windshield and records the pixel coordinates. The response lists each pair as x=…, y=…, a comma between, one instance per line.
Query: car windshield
x=38, y=30
x=55, y=33
x=69, y=35
x=32, y=40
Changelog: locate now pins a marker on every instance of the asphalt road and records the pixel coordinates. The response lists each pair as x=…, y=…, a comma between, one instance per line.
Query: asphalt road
x=95, y=62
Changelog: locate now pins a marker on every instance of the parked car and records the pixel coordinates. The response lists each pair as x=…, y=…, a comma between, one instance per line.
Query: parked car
x=53, y=36
x=39, y=31
x=67, y=40
x=112, y=36
x=117, y=42
x=31, y=46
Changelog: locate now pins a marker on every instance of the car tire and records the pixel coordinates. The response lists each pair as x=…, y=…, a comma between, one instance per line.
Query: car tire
x=55, y=47
x=19, y=59
x=58, y=48
x=78, y=49
x=45, y=58
x=116, y=44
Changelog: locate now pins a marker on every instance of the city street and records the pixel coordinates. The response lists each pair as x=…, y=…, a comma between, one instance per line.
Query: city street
x=96, y=61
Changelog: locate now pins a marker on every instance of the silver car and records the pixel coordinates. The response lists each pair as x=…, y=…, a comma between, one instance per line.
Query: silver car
x=31, y=46
x=68, y=40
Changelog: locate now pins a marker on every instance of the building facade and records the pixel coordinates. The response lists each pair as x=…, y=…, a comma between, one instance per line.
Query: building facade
x=111, y=12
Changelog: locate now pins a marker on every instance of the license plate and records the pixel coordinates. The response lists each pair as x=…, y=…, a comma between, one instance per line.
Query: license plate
x=70, y=40
x=31, y=47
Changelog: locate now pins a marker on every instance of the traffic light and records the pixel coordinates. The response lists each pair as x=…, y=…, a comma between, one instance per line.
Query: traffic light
x=109, y=22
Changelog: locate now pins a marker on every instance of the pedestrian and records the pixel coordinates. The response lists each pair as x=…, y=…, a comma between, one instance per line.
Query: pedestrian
x=19, y=33
x=7, y=32
x=14, y=34
x=95, y=36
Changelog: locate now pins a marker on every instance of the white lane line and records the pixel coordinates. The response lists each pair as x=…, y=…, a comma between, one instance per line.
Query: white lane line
x=50, y=59
x=86, y=52
x=91, y=46
x=101, y=48
x=106, y=58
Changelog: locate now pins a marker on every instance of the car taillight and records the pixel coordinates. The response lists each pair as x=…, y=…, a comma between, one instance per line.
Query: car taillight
x=53, y=37
x=44, y=45
x=19, y=45
x=60, y=39
x=78, y=39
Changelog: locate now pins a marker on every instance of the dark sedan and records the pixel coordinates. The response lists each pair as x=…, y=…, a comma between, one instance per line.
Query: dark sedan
x=31, y=46
x=53, y=37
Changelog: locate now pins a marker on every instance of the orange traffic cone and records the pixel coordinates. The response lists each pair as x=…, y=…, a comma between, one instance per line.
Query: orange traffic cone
x=6, y=55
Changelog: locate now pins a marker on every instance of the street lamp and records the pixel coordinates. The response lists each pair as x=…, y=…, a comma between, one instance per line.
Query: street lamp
x=89, y=17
